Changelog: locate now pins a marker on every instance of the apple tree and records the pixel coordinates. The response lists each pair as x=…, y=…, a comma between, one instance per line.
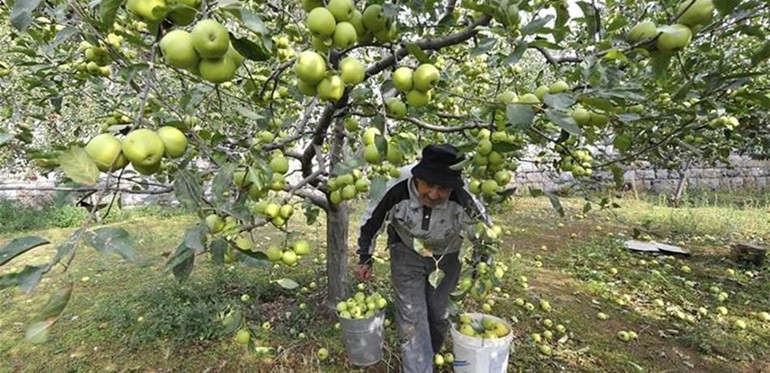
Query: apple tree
x=252, y=112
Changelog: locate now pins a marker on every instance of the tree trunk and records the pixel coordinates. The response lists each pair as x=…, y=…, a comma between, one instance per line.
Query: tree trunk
x=337, y=220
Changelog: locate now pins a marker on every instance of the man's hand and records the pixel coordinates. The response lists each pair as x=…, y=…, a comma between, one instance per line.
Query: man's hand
x=363, y=272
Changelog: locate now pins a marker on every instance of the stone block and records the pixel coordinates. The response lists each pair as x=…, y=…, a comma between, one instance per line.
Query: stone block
x=661, y=174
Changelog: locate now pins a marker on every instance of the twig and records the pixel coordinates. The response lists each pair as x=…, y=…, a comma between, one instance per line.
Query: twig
x=168, y=189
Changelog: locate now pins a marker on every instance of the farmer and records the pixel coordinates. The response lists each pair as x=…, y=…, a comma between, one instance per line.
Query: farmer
x=429, y=210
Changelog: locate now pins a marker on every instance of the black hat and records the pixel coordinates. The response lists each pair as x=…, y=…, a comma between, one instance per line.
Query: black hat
x=435, y=167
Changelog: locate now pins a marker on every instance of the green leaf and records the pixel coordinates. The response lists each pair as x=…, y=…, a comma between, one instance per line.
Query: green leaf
x=589, y=15
x=587, y=207
x=218, y=249
x=520, y=116
x=761, y=55
x=555, y=203
x=251, y=20
x=617, y=177
x=26, y=280
x=62, y=36
x=435, y=277
x=62, y=250
x=342, y=168
x=112, y=240
x=660, y=62
x=222, y=183
x=188, y=189
x=287, y=283
x=517, y=53
x=107, y=11
x=183, y=270
x=619, y=22
x=19, y=246
x=417, y=52
x=248, y=113
x=21, y=13
x=311, y=213
x=37, y=332
x=255, y=259
x=622, y=142
x=559, y=100
x=251, y=50
x=536, y=25
x=377, y=187
x=195, y=238
x=564, y=120
x=726, y=6
x=78, y=166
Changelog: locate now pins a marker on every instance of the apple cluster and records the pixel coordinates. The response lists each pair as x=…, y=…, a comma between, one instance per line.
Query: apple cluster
x=347, y=186
x=313, y=79
x=95, y=60
x=205, y=51
x=491, y=170
x=417, y=86
x=361, y=306
x=253, y=180
x=178, y=12
x=143, y=148
x=275, y=213
x=579, y=163
x=288, y=255
x=690, y=17
x=341, y=25
x=483, y=327
x=117, y=118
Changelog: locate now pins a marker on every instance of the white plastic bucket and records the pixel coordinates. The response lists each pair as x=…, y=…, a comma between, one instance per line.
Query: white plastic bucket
x=363, y=339
x=478, y=355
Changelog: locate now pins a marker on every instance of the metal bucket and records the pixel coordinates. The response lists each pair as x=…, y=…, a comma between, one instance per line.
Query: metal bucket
x=363, y=339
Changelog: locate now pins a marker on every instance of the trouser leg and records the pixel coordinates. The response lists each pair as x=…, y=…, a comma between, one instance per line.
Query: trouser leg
x=408, y=274
x=438, y=299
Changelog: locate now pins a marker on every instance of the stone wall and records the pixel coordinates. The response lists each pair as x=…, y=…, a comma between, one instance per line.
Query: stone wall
x=740, y=173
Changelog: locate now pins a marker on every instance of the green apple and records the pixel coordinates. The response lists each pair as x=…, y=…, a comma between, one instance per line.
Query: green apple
x=309, y=5
x=468, y=330
x=274, y=253
x=558, y=87
x=286, y=211
x=529, y=98
x=178, y=50
x=152, y=11
x=235, y=56
x=146, y=170
x=348, y=192
x=673, y=37
x=351, y=124
x=581, y=116
x=425, y=77
x=322, y=354
x=352, y=70
x=143, y=147
x=438, y=360
x=322, y=44
x=395, y=107
x=342, y=10
x=642, y=31
x=507, y=97
x=388, y=33
x=306, y=88
x=541, y=91
x=417, y=98
x=242, y=336
x=321, y=22
x=357, y=20
x=402, y=79
x=331, y=88
x=394, y=155
x=279, y=164
x=489, y=187
x=375, y=18
x=272, y=210
x=301, y=247
x=105, y=150
x=185, y=13
x=289, y=257
x=174, y=141
x=344, y=35
x=210, y=39
x=215, y=223
x=623, y=336
x=310, y=67
x=695, y=12
x=370, y=134
x=218, y=70
x=372, y=154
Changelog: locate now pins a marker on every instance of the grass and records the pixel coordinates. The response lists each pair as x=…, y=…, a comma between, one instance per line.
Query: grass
x=135, y=316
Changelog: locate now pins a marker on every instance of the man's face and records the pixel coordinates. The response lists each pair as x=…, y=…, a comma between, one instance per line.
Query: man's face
x=432, y=195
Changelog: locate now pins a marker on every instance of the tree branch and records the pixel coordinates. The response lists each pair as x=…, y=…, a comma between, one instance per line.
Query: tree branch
x=432, y=127
x=165, y=190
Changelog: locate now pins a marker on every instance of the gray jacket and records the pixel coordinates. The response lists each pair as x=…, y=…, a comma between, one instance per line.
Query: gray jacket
x=440, y=229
